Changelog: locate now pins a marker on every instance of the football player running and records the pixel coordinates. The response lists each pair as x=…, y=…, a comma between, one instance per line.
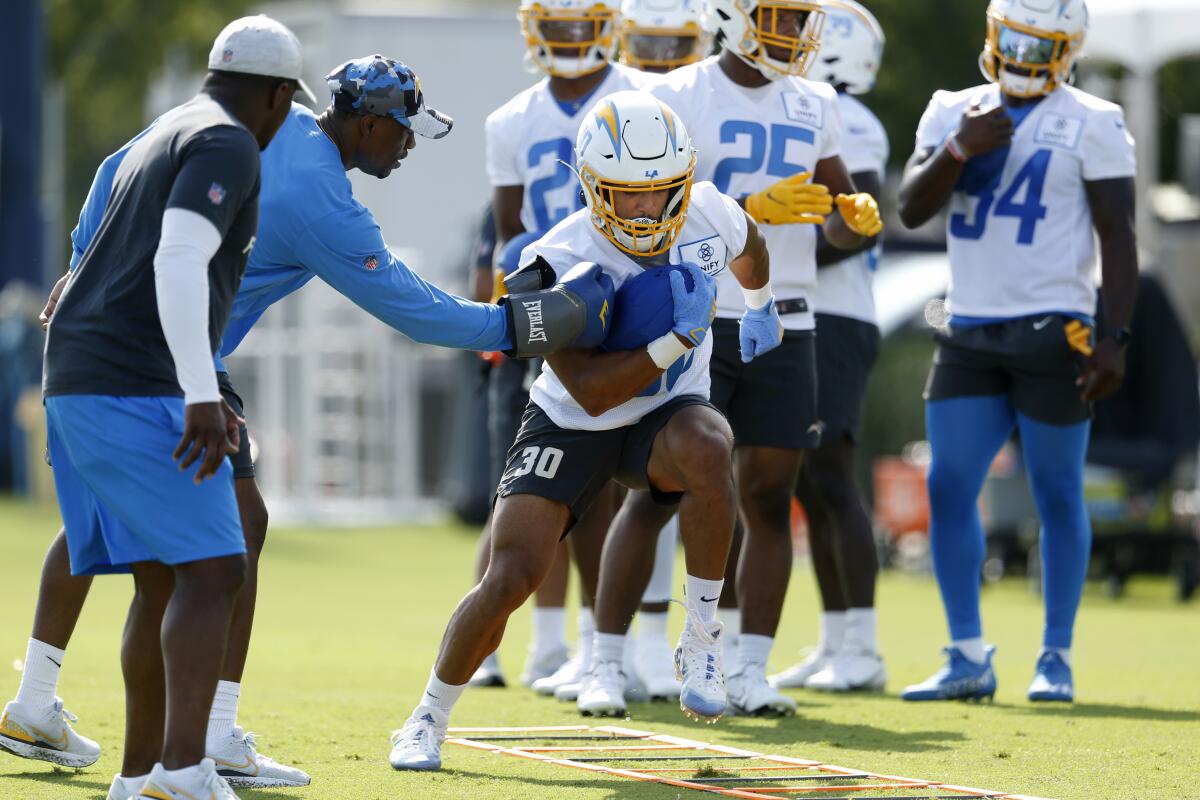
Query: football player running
x=530, y=141
x=376, y=112
x=772, y=138
x=1034, y=172
x=840, y=536
x=639, y=415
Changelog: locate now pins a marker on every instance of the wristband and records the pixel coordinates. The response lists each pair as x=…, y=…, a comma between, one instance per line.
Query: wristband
x=666, y=350
x=757, y=299
x=955, y=150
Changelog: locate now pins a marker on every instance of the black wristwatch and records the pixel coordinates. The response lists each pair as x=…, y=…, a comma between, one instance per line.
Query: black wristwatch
x=1121, y=336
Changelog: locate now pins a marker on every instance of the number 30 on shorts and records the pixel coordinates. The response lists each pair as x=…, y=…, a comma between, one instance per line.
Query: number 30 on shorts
x=542, y=462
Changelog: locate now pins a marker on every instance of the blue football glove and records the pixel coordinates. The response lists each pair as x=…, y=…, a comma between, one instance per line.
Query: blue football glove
x=761, y=331
x=695, y=307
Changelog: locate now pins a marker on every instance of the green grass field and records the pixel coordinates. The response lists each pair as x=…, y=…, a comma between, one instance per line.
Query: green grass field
x=348, y=623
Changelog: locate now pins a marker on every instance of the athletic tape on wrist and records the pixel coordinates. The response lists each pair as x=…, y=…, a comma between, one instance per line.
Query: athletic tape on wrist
x=666, y=350
x=757, y=299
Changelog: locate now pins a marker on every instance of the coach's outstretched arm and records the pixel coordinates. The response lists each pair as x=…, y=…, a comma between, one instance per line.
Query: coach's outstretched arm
x=348, y=252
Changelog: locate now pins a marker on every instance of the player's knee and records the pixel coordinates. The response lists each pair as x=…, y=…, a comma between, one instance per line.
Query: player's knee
x=706, y=465
x=509, y=582
x=215, y=577
x=946, y=484
x=766, y=498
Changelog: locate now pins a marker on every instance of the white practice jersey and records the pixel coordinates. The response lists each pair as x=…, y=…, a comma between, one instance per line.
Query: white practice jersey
x=713, y=235
x=845, y=288
x=748, y=139
x=1019, y=232
x=531, y=134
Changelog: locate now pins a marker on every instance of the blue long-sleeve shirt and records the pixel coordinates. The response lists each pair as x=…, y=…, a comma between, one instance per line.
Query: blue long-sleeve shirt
x=311, y=225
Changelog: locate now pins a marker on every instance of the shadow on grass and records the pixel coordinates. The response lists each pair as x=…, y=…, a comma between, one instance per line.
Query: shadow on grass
x=574, y=779
x=1106, y=711
x=60, y=776
x=782, y=735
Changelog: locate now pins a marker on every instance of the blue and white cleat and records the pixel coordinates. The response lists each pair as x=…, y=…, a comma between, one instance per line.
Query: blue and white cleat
x=418, y=745
x=698, y=668
x=960, y=679
x=1052, y=680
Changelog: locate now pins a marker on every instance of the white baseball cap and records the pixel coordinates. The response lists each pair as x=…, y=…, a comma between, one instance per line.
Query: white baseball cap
x=259, y=45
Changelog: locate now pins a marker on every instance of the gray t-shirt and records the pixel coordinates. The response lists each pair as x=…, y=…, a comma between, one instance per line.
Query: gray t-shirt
x=105, y=337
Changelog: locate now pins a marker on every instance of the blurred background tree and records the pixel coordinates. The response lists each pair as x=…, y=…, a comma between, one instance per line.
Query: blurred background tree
x=106, y=53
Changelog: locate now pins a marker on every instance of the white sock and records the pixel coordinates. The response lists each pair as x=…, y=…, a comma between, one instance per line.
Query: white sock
x=608, y=647
x=860, y=631
x=585, y=629
x=731, y=621
x=440, y=695
x=833, y=631
x=972, y=648
x=1065, y=652
x=223, y=715
x=185, y=776
x=652, y=623
x=39, y=678
x=702, y=595
x=753, y=649
x=492, y=662
x=549, y=631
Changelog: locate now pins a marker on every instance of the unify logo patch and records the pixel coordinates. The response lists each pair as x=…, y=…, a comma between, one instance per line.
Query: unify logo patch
x=1060, y=131
x=533, y=311
x=709, y=254
x=807, y=110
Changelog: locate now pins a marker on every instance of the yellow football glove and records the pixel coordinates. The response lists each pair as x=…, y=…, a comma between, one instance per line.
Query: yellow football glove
x=791, y=200
x=860, y=212
x=498, y=287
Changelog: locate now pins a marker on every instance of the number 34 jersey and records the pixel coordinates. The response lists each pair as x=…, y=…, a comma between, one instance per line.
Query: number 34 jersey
x=1019, y=231
x=713, y=235
x=531, y=140
x=747, y=139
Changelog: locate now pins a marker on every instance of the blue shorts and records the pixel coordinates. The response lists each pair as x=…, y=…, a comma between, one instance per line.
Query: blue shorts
x=122, y=496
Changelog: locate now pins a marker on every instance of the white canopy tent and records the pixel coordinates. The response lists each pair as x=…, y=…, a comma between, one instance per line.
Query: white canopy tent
x=1142, y=36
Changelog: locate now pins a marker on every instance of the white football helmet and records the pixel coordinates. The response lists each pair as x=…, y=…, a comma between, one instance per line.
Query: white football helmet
x=851, y=47
x=753, y=29
x=569, y=38
x=660, y=35
x=1031, y=44
x=632, y=142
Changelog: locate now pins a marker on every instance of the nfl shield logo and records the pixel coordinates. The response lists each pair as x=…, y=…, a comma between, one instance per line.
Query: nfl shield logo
x=227, y=56
x=216, y=194
x=370, y=262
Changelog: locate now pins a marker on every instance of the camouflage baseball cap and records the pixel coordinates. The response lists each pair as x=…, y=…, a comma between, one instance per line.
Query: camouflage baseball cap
x=386, y=88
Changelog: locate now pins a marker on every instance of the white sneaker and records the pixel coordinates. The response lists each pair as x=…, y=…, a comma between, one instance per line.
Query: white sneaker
x=570, y=672
x=848, y=672
x=45, y=734
x=652, y=663
x=203, y=783
x=602, y=693
x=750, y=694
x=418, y=745
x=543, y=665
x=698, y=668
x=243, y=767
x=797, y=675
x=487, y=676
x=126, y=788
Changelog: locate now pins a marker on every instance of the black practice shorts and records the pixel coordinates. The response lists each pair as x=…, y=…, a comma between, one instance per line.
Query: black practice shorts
x=572, y=466
x=772, y=401
x=507, y=395
x=1029, y=360
x=846, y=352
x=243, y=463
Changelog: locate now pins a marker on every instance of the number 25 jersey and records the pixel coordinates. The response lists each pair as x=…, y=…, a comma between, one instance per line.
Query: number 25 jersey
x=531, y=140
x=747, y=139
x=1019, y=231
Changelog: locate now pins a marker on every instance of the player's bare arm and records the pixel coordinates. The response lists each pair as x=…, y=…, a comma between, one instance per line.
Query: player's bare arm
x=601, y=381
x=52, y=301
x=1112, y=203
x=932, y=173
x=506, y=205
x=752, y=267
x=866, y=182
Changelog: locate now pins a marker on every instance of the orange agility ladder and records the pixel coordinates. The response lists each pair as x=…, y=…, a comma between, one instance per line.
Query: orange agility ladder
x=713, y=768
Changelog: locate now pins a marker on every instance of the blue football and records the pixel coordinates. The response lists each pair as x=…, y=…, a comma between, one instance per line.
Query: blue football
x=643, y=309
